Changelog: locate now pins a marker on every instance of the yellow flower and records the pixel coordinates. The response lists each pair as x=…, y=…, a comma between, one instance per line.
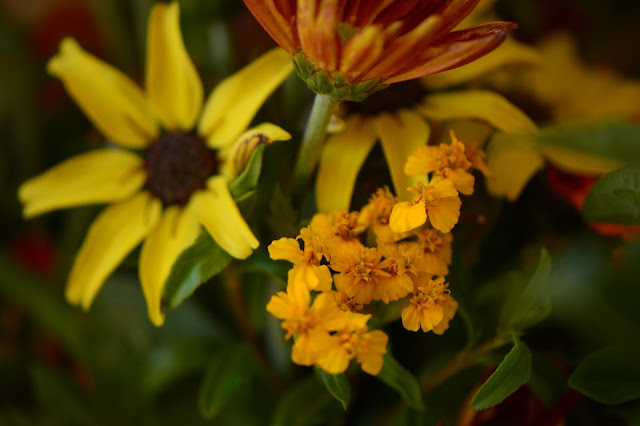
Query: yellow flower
x=434, y=248
x=337, y=230
x=309, y=324
x=376, y=215
x=438, y=201
x=347, y=48
x=431, y=307
x=179, y=182
x=448, y=161
x=307, y=268
x=353, y=341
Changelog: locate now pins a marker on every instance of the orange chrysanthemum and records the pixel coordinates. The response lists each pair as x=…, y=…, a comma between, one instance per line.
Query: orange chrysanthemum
x=340, y=43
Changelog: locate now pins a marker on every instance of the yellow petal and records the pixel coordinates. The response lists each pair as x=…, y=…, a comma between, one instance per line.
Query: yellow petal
x=400, y=135
x=238, y=155
x=285, y=249
x=421, y=161
x=371, y=358
x=234, y=102
x=100, y=176
x=481, y=104
x=175, y=232
x=217, y=212
x=334, y=359
x=280, y=305
x=444, y=213
x=410, y=318
x=579, y=162
x=509, y=53
x=342, y=157
x=511, y=166
x=111, y=100
x=172, y=82
x=114, y=233
x=406, y=216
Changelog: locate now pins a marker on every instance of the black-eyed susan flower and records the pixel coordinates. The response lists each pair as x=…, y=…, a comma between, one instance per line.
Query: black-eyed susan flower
x=431, y=306
x=348, y=49
x=178, y=180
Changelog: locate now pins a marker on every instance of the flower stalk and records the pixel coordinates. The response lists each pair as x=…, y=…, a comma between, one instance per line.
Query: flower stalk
x=312, y=140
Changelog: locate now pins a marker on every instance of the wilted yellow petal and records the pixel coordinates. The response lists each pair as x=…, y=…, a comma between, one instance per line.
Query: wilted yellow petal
x=175, y=232
x=99, y=176
x=481, y=104
x=406, y=216
x=172, y=81
x=113, y=102
x=234, y=102
x=217, y=212
x=114, y=233
x=400, y=135
x=342, y=157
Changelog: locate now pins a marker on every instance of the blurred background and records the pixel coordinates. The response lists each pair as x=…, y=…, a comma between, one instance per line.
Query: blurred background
x=109, y=366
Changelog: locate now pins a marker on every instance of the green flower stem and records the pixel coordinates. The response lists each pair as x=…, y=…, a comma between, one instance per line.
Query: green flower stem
x=312, y=140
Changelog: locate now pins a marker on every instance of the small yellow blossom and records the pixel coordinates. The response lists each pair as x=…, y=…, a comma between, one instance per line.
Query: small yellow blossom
x=438, y=201
x=376, y=215
x=446, y=160
x=431, y=307
x=353, y=341
x=434, y=248
x=307, y=267
x=308, y=323
x=337, y=229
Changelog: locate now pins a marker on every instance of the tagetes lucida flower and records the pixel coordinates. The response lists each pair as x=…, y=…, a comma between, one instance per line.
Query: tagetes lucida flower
x=431, y=306
x=189, y=152
x=438, y=201
x=348, y=49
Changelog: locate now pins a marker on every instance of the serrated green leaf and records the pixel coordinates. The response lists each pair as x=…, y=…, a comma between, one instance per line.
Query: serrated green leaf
x=245, y=184
x=615, y=198
x=305, y=404
x=513, y=372
x=229, y=368
x=337, y=385
x=399, y=378
x=530, y=305
x=610, y=375
x=195, y=265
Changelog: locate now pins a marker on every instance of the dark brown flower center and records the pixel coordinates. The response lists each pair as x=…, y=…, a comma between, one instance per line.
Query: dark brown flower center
x=406, y=94
x=178, y=164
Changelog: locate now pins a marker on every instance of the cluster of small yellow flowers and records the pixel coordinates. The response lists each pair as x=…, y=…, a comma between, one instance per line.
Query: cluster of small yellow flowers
x=438, y=200
x=346, y=264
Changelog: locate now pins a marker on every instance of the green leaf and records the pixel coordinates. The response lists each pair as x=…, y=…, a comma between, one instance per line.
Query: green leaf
x=615, y=198
x=399, y=378
x=195, y=265
x=228, y=370
x=245, y=184
x=513, y=372
x=610, y=375
x=337, y=385
x=616, y=141
x=530, y=305
x=305, y=404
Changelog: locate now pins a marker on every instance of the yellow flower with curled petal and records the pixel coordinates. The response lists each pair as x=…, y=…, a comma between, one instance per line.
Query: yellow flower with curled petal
x=354, y=340
x=307, y=268
x=309, y=324
x=438, y=201
x=376, y=215
x=191, y=149
x=337, y=230
x=431, y=307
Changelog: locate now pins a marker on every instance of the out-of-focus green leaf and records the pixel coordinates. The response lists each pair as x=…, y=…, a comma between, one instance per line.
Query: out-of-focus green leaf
x=528, y=306
x=195, y=265
x=610, y=375
x=337, y=385
x=171, y=361
x=513, y=372
x=547, y=381
x=399, y=378
x=245, y=184
x=230, y=368
x=615, y=198
x=306, y=403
